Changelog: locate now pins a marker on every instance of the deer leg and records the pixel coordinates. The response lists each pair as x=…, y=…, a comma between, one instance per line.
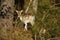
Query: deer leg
x=25, y=26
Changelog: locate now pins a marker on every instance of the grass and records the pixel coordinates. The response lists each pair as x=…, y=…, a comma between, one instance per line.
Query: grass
x=47, y=17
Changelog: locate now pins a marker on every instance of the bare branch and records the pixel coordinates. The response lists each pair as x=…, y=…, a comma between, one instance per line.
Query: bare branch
x=28, y=6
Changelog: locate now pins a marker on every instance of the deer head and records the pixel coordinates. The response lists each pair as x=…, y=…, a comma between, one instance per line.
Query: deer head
x=19, y=12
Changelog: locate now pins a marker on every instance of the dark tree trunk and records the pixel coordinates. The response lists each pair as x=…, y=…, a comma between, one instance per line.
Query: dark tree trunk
x=6, y=13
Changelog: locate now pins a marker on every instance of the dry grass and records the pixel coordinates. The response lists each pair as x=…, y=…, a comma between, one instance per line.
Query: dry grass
x=47, y=17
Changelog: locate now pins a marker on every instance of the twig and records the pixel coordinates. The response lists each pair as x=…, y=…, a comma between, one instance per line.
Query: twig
x=28, y=6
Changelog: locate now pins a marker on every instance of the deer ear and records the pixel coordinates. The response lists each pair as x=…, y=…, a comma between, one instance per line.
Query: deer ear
x=21, y=11
x=16, y=11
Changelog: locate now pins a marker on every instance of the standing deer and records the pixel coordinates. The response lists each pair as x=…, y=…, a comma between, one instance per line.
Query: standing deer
x=26, y=18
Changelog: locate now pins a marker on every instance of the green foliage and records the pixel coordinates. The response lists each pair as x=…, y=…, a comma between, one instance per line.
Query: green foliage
x=48, y=17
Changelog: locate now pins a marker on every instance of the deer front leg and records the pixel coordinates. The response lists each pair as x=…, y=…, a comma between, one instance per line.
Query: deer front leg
x=25, y=26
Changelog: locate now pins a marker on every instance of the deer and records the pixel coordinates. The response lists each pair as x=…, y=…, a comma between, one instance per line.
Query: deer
x=26, y=18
